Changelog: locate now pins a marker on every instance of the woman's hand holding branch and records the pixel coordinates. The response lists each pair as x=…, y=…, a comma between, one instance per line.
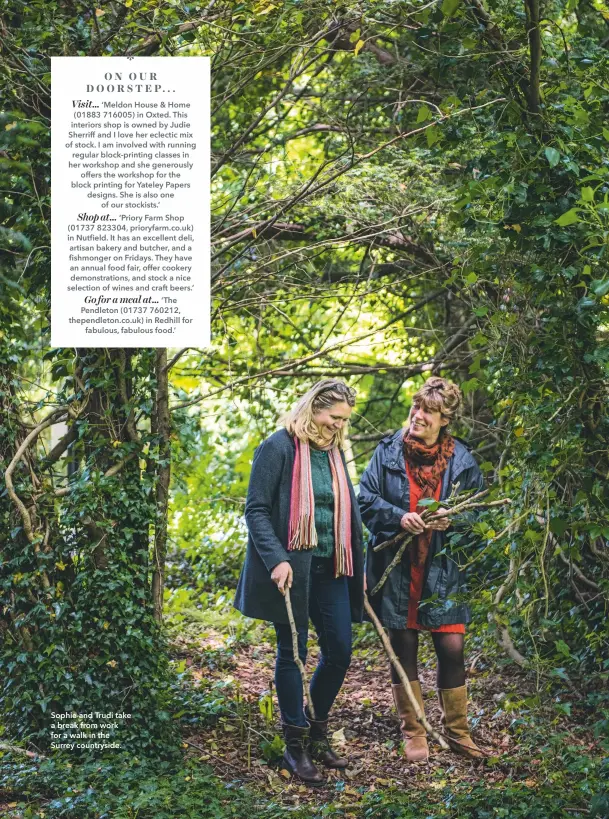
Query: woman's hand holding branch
x=416, y=524
x=440, y=523
x=470, y=503
x=413, y=523
x=440, y=519
x=282, y=575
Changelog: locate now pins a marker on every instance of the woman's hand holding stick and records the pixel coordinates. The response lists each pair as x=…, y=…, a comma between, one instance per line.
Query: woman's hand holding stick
x=282, y=575
x=425, y=514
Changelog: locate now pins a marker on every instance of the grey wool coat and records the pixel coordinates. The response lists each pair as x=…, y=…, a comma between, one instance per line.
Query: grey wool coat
x=384, y=497
x=267, y=514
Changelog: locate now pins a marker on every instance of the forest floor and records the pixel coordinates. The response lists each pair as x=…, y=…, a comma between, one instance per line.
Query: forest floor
x=241, y=741
x=547, y=736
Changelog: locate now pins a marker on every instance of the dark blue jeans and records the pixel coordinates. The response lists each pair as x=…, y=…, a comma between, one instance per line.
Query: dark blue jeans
x=330, y=612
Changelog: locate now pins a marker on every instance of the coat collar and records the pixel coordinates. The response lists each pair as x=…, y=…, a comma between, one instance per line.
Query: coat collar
x=393, y=455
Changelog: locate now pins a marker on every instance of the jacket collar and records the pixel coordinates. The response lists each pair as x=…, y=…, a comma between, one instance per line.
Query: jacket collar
x=393, y=455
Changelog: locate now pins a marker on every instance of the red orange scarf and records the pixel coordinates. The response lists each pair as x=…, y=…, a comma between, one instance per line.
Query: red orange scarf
x=426, y=465
x=301, y=531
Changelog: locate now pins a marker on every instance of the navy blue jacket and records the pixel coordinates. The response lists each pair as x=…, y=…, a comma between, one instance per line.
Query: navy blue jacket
x=384, y=497
x=267, y=514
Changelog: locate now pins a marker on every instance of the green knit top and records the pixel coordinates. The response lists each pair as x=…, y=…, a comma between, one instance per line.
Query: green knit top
x=324, y=502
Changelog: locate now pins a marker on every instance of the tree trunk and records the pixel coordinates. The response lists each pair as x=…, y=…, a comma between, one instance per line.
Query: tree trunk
x=534, y=35
x=162, y=428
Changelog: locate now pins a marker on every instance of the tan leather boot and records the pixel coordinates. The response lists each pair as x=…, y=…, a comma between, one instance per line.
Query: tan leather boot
x=453, y=702
x=415, y=736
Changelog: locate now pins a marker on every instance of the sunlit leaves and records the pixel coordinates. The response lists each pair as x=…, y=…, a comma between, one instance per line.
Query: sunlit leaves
x=570, y=217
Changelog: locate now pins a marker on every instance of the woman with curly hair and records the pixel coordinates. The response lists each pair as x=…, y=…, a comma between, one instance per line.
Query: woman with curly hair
x=305, y=533
x=426, y=590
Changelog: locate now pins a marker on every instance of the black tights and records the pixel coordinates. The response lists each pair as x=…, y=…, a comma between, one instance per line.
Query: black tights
x=449, y=651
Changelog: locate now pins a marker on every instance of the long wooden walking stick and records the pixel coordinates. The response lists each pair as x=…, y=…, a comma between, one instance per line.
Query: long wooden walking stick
x=297, y=660
x=402, y=675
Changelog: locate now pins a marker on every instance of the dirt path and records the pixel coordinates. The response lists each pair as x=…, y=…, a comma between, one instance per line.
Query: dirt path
x=363, y=723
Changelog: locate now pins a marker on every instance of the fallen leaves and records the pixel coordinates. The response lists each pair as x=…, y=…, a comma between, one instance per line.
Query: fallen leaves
x=363, y=724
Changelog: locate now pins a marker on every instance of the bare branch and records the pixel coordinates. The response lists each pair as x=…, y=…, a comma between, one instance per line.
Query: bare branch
x=14, y=749
x=54, y=417
x=61, y=446
x=162, y=429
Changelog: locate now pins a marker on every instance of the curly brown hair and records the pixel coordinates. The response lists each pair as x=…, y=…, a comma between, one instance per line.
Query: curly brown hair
x=440, y=395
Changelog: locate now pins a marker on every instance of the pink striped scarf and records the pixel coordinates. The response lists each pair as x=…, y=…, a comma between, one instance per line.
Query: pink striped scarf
x=301, y=532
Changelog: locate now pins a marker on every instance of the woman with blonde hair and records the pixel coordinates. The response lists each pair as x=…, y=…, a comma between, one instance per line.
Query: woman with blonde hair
x=426, y=590
x=305, y=534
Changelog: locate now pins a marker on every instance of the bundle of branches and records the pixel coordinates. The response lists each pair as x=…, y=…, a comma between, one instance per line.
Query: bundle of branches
x=449, y=508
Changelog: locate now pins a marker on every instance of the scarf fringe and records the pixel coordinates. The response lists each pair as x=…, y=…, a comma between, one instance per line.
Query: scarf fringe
x=305, y=534
x=343, y=557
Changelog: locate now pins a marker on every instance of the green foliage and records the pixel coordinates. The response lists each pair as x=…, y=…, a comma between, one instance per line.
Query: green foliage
x=124, y=787
x=208, y=535
x=503, y=210
x=475, y=246
x=78, y=625
x=272, y=750
x=553, y=774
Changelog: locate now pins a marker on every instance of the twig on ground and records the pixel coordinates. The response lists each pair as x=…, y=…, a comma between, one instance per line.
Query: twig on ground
x=207, y=751
x=474, y=662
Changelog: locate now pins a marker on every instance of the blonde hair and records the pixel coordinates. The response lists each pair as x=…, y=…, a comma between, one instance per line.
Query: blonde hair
x=440, y=395
x=299, y=420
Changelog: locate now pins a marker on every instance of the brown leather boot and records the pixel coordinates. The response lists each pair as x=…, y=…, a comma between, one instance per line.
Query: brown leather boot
x=453, y=702
x=415, y=736
x=321, y=750
x=296, y=756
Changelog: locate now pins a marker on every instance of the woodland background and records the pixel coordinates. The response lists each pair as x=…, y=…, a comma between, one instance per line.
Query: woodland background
x=399, y=188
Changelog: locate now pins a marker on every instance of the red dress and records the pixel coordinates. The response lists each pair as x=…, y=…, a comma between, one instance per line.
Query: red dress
x=417, y=573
